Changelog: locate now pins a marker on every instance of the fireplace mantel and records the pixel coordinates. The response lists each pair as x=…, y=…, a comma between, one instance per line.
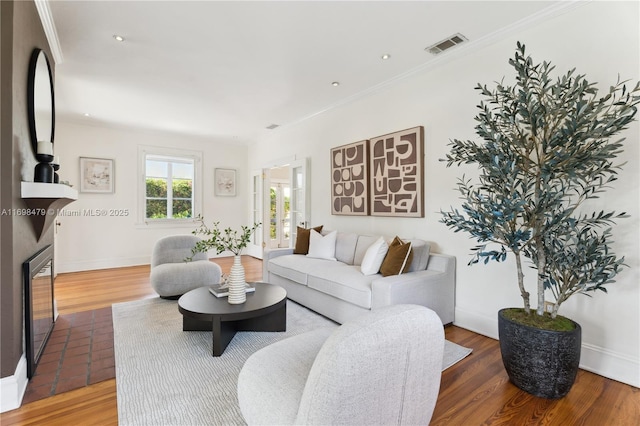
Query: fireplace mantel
x=44, y=201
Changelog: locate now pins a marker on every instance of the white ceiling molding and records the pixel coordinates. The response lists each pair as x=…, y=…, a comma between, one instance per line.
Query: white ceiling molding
x=160, y=81
x=49, y=29
x=549, y=12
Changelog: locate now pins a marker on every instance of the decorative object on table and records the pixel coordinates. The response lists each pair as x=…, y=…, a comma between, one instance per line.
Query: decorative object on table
x=225, y=182
x=56, y=166
x=44, y=170
x=222, y=290
x=227, y=240
x=97, y=175
x=349, y=179
x=546, y=149
x=397, y=174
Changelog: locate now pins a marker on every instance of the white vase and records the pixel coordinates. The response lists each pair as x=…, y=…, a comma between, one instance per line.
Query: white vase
x=237, y=283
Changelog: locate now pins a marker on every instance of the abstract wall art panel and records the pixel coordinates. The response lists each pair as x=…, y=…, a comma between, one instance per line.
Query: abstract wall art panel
x=396, y=174
x=349, y=179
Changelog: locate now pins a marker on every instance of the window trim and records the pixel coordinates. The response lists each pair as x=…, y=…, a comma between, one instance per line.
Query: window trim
x=196, y=156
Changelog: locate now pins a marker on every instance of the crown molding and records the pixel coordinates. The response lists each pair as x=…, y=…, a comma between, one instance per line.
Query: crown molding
x=454, y=53
x=49, y=29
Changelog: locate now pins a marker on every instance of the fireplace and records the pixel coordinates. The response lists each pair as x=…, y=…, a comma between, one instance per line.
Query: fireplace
x=37, y=272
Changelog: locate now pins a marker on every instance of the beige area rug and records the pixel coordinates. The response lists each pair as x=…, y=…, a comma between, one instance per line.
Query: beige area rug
x=165, y=376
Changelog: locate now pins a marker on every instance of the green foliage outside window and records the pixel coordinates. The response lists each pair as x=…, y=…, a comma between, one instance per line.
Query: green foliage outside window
x=157, y=198
x=273, y=215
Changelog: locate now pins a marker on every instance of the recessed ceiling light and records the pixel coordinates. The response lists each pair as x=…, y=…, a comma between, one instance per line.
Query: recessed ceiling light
x=335, y=83
x=385, y=56
x=118, y=37
x=86, y=114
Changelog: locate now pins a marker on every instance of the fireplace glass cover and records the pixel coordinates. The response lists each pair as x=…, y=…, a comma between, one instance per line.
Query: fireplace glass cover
x=39, y=313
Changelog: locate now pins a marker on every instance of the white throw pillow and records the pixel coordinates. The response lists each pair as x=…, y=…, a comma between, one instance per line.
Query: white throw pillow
x=322, y=247
x=374, y=256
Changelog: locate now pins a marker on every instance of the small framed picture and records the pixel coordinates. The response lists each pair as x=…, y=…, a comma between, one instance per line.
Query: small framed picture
x=97, y=175
x=225, y=182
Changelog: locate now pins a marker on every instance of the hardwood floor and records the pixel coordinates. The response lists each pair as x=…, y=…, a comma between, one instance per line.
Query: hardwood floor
x=476, y=391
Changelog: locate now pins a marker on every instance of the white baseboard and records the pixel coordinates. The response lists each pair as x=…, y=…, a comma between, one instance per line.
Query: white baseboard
x=90, y=265
x=614, y=365
x=602, y=361
x=478, y=323
x=12, y=388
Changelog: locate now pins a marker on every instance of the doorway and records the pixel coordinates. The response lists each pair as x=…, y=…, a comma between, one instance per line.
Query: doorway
x=283, y=203
x=280, y=213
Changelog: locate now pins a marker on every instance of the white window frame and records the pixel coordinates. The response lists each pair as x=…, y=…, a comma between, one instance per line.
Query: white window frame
x=179, y=154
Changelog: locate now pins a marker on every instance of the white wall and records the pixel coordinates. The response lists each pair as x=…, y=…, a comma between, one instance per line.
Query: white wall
x=600, y=39
x=90, y=242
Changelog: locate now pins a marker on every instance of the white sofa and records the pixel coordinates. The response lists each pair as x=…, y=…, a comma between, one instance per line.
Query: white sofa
x=338, y=290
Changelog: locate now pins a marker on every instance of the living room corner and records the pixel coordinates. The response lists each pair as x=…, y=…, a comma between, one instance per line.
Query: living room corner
x=107, y=237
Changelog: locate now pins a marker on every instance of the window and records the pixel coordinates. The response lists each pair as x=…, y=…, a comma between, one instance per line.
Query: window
x=169, y=185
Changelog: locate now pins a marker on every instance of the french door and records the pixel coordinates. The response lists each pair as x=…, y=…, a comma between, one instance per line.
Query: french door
x=280, y=214
x=300, y=196
x=289, y=201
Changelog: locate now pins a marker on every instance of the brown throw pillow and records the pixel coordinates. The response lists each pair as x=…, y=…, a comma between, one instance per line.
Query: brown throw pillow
x=302, y=239
x=398, y=258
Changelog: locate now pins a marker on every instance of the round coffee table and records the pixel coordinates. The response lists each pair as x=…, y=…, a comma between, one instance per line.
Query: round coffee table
x=264, y=310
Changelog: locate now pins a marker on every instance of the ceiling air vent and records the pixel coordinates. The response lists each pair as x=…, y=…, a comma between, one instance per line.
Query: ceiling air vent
x=272, y=126
x=445, y=44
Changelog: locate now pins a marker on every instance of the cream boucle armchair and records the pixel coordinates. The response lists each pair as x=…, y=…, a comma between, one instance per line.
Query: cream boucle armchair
x=382, y=368
x=171, y=275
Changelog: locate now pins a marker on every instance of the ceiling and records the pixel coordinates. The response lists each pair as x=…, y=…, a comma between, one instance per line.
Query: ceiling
x=228, y=69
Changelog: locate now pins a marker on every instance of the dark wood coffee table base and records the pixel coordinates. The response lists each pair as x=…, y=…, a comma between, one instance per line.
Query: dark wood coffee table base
x=233, y=318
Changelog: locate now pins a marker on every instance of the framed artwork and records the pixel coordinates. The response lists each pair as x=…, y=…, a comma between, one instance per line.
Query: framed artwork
x=225, y=182
x=97, y=175
x=349, y=179
x=396, y=164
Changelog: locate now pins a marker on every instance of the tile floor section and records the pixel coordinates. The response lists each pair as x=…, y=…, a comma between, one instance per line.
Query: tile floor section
x=79, y=353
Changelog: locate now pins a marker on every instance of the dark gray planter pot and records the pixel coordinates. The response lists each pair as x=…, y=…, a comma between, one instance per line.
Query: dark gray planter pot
x=541, y=362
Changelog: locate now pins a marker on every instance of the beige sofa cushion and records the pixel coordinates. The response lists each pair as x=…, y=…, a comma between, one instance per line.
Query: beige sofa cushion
x=346, y=247
x=342, y=281
x=421, y=251
x=364, y=242
x=293, y=267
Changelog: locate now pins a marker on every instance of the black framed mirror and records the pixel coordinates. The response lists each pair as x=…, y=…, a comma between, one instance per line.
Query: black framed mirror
x=40, y=99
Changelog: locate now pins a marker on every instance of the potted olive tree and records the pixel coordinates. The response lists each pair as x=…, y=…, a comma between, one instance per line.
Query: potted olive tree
x=546, y=147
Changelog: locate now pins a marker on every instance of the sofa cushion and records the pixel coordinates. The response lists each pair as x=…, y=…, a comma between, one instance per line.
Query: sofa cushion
x=345, y=282
x=322, y=246
x=364, y=242
x=420, y=260
x=293, y=267
x=373, y=257
x=398, y=258
x=346, y=247
x=302, y=239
